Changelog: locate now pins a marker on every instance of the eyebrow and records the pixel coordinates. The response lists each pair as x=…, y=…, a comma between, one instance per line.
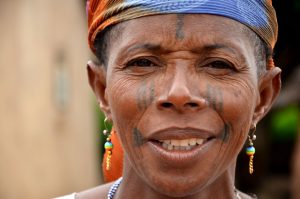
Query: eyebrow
x=213, y=47
x=218, y=46
x=145, y=46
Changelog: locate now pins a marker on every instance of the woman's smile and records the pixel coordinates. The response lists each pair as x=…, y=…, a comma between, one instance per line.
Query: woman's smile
x=179, y=146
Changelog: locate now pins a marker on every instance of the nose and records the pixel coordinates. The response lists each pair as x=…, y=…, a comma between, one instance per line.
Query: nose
x=180, y=98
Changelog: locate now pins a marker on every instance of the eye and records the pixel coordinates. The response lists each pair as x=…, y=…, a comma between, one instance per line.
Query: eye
x=141, y=62
x=220, y=65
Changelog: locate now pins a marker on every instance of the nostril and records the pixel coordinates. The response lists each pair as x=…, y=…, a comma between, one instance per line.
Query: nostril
x=179, y=103
x=192, y=104
x=187, y=105
x=167, y=105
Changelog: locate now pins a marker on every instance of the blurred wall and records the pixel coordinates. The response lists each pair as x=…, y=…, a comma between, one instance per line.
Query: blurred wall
x=47, y=139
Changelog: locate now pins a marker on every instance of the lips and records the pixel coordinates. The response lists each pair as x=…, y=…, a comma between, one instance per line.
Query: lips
x=179, y=141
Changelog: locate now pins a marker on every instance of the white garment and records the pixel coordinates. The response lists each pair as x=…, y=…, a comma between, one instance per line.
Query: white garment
x=71, y=196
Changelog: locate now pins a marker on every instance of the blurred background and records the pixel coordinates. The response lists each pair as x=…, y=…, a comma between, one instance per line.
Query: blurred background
x=50, y=140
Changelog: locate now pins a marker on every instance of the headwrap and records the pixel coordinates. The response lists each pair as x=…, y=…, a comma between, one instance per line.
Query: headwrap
x=258, y=15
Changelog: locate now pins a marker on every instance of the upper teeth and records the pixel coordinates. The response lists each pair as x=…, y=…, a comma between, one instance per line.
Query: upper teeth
x=183, y=143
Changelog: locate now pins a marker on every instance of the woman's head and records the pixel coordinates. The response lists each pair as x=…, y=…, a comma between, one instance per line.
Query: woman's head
x=183, y=92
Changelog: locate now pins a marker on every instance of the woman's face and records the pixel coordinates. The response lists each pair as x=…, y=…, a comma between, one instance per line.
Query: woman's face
x=181, y=91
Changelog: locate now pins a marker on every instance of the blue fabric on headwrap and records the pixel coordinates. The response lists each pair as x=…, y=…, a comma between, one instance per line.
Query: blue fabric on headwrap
x=246, y=11
x=258, y=15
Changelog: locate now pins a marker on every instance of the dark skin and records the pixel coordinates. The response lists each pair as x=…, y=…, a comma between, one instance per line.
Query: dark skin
x=179, y=81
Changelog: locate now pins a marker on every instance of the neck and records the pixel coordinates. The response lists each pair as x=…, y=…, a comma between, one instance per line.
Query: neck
x=133, y=186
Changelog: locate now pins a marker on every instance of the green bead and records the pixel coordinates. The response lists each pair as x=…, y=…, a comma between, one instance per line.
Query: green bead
x=250, y=150
x=108, y=145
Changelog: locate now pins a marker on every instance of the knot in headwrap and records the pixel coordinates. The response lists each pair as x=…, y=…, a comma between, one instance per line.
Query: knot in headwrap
x=258, y=15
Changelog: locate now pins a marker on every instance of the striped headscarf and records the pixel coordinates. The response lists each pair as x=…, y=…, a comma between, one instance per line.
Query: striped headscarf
x=258, y=15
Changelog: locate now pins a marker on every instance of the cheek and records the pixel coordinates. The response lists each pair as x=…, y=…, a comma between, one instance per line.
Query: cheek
x=128, y=100
x=122, y=102
x=234, y=104
x=237, y=112
x=242, y=103
x=124, y=110
x=235, y=107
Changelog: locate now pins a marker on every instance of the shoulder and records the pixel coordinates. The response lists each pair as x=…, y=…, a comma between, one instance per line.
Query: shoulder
x=99, y=192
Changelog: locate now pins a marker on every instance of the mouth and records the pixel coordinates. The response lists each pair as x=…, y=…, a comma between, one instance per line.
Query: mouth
x=181, y=145
x=179, y=153
x=183, y=139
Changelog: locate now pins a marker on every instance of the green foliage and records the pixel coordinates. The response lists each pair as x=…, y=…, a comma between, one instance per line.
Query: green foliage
x=285, y=123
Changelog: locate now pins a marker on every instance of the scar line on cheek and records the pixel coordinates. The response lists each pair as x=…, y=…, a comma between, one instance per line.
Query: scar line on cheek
x=138, y=137
x=225, y=132
x=215, y=98
x=145, y=95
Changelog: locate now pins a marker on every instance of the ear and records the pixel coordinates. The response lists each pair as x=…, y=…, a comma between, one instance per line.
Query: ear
x=269, y=89
x=97, y=81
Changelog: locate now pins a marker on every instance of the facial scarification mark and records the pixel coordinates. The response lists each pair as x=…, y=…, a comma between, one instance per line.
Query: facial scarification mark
x=225, y=132
x=237, y=93
x=140, y=94
x=209, y=96
x=215, y=98
x=179, y=27
x=145, y=95
x=220, y=101
x=138, y=138
x=152, y=93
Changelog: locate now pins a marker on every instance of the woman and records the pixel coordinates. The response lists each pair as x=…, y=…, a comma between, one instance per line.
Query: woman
x=184, y=84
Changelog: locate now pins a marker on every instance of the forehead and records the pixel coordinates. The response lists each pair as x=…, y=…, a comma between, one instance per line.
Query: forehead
x=182, y=32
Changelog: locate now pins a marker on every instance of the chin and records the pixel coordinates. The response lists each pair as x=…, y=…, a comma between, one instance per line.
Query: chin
x=177, y=186
x=179, y=173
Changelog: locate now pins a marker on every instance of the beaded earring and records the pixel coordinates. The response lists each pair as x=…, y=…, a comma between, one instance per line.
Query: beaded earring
x=250, y=150
x=108, y=146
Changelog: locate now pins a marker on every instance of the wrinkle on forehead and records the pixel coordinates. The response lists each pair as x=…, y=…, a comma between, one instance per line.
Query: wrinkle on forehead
x=159, y=29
